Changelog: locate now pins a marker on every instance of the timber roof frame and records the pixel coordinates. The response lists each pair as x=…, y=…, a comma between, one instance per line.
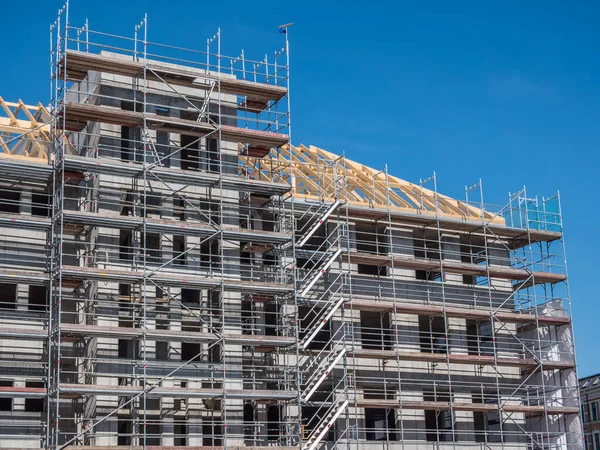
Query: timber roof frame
x=313, y=173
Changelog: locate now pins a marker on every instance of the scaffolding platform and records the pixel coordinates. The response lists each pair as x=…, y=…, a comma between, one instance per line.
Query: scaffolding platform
x=78, y=64
x=453, y=358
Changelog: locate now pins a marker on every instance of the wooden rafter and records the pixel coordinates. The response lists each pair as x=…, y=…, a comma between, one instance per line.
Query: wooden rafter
x=314, y=170
x=24, y=130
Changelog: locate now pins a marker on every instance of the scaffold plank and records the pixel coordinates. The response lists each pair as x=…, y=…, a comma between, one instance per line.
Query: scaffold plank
x=114, y=166
x=180, y=279
x=450, y=266
x=464, y=406
x=79, y=63
x=403, y=307
x=82, y=331
x=77, y=115
x=68, y=390
x=172, y=226
x=453, y=358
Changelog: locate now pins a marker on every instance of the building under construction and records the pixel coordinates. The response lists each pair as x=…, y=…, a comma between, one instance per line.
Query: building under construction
x=176, y=274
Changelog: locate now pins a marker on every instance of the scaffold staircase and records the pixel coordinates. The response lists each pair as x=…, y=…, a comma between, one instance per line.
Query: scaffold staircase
x=324, y=262
x=326, y=422
x=322, y=293
x=321, y=366
x=326, y=211
x=322, y=318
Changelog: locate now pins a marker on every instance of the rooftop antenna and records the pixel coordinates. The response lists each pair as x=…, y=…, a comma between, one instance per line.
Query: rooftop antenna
x=283, y=28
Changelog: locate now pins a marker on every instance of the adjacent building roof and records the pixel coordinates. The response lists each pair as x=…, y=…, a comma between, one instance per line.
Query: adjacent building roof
x=590, y=382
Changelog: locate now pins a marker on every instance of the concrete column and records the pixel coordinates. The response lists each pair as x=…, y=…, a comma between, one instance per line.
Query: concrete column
x=26, y=202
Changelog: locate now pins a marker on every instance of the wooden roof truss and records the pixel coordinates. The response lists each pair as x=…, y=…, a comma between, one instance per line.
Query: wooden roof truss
x=314, y=173
x=318, y=174
x=24, y=130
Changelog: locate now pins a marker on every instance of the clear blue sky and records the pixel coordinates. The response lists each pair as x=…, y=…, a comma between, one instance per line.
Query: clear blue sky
x=506, y=91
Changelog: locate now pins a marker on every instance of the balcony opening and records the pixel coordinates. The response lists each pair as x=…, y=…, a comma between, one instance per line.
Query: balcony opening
x=190, y=351
x=40, y=204
x=162, y=351
x=273, y=422
x=124, y=430
x=127, y=203
x=6, y=403
x=8, y=296
x=126, y=349
x=34, y=404
x=162, y=140
x=153, y=430
x=38, y=298
x=191, y=298
x=250, y=428
x=439, y=424
x=272, y=312
x=367, y=269
x=181, y=432
x=433, y=336
x=153, y=248
x=130, y=136
x=372, y=239
x=486, y=425
x=125, y=306
x=380, y=424
x=213, y=156
x=209, y=253
x=126, y=245
x=479, y=337
x=153, y=205
x=215, y=353
x=212, y=432
x=10, y=200
x=472, y=251
x=125, y=290
x=180, y=257
x=427, y=246
x=375, y=330
x=190, y=152
x=248, y=318
x=178, y=207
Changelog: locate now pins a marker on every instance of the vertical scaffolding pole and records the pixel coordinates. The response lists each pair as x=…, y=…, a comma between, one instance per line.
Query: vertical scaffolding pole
x=492, y=316
x=433, y=179
x=145, y=139
x=55, y=285
x=395, y=305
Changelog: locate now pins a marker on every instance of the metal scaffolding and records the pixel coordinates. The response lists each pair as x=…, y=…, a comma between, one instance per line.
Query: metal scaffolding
x=177, y=275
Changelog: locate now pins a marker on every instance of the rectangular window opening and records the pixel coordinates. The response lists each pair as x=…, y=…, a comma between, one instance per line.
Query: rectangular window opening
x=8, y=296
x=34, y=404
x=433, y=336
x=438, y=423
x=179, y=248
x=126, y=245
x=375, y=330
x=40, y=204
x=38, y=298
x=6, y=403
x=10, y=199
